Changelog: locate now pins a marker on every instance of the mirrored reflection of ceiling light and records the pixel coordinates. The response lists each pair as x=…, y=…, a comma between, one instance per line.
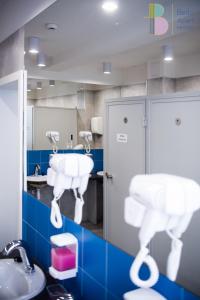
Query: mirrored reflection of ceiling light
x=29, y=87
x=34, y=45
x=41, y=60
x=51, y=82
x=51, y=26
x=110, y=6
x=168, y=53
x=39, y=85
x=107, y=68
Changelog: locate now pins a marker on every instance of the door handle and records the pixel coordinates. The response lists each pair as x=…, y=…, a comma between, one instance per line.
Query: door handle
x=109, y=176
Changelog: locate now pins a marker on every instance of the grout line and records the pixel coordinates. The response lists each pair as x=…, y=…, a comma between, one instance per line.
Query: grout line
x=94, y=279
x=36, y=230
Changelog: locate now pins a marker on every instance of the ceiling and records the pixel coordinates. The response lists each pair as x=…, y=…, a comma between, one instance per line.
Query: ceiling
x=87, y=36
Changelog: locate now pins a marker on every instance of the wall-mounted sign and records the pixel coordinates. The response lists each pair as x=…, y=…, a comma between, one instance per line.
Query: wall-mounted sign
x=122, y=137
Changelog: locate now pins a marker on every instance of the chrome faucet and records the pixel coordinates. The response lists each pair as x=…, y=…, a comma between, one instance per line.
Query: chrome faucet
x=37, y=169
x=18, y=245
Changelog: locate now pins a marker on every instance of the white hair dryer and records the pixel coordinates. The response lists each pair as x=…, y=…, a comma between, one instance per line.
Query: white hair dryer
x=68, y=171
x=159, y=202
x=87, y=137
x=53, y=137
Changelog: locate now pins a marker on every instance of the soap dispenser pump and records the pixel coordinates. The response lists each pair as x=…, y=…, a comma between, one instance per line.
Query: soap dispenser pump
x=64, y=256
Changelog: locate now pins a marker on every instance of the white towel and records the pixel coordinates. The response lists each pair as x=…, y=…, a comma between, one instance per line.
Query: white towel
x=170, y=194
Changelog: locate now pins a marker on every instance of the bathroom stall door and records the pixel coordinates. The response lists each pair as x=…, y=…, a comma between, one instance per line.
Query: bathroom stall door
x=174, y=148
x=124, y=158
x=12, y=99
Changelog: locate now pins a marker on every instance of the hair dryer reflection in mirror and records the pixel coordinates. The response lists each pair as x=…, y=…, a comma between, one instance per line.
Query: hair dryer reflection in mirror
x=54, y=138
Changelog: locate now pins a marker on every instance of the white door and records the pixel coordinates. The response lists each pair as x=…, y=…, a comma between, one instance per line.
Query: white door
x=174, y=148
x=124, y=158
x=12, y=97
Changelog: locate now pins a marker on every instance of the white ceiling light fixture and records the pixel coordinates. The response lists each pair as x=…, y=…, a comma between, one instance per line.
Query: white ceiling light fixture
x=34, y=45
x=110, y=6
x=39, y=85
x=51, y=26
x=51, y=82
x=29, y=87
x=107, y=68
x=168, y=53
x=41, y=60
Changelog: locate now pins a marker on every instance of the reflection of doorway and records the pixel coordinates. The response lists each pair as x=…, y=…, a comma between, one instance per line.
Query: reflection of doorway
x=11, y=153
x=93, y=208
x=124, y=158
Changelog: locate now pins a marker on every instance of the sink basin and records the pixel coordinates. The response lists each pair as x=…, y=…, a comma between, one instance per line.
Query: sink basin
x=37, y=179
x=100, y=173
x=15, y=284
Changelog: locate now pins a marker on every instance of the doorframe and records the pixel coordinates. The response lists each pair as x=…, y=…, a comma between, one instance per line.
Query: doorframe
x=21, y=78
x=108, y=103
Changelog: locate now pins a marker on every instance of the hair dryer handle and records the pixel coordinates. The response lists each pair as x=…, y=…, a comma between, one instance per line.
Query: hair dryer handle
x=144, y=257
x=174, y=259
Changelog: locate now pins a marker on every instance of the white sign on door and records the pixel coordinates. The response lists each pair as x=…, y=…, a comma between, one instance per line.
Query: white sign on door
x=122, y=137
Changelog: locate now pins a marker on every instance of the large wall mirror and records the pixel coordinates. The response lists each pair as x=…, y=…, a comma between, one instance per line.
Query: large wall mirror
x=145, y=89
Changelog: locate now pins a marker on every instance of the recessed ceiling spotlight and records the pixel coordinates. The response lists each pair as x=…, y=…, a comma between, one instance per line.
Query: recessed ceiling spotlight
x=107, y=68
x=39, y=85
x=168, y=53
x=110, y=6
x=51, y=82
x=34, y=45
x=29, y=87
x=51, y=26
x=41, y=60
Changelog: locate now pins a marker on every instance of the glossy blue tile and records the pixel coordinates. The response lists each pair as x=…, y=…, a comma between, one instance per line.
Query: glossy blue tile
x=98, y=165
x=45, y=155
x=189, y=296
x=43, y=252
x=92, y=290
x=24, y=230
x=168, y=289
x=29, y=237
x=94, y=256
x=69, y=151
x=30, y=169
x=42, y=219
x=34, y=157
x=44, y=167
x=77, y=231
x=74, y=285
x=97, y=154
x=79, y=151
x=118, y=267
x=110, y=296
x=29, y=209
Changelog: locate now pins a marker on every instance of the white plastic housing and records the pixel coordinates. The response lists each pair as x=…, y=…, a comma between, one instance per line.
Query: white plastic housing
x=143, y=294
x=64, y=240
x=97, y=125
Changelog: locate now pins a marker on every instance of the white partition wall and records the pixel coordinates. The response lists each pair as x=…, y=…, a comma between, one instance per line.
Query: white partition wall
x=12, y=99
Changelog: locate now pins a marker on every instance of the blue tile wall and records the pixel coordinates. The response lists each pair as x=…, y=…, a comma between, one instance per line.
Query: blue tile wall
x=103, y=269
x=41, y=157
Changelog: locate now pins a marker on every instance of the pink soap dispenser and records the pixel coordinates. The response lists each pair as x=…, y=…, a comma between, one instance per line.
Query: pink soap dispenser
x=64, y=256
